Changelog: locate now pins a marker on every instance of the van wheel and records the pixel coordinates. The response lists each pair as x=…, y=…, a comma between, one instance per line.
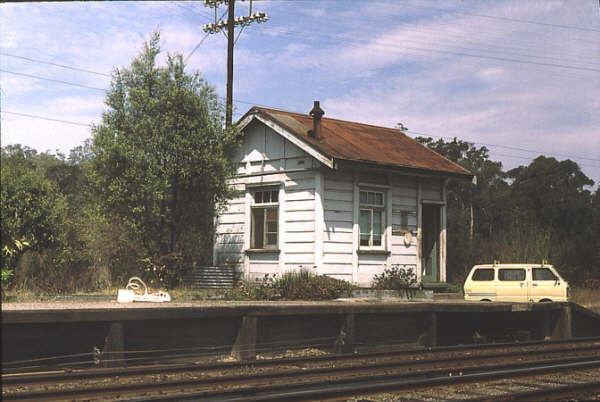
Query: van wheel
x=545, y=301
x=487, y=300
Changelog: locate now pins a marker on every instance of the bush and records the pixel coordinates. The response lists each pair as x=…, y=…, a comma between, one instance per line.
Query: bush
x=295, y=285
x=395, y=278
x=303, y=285
x=260, y=289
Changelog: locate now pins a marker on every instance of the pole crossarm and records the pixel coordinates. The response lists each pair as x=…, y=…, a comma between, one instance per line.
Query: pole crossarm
x=229, y=26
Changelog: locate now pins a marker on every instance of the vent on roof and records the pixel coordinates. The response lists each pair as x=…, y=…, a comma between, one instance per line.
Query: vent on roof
x=316, y=113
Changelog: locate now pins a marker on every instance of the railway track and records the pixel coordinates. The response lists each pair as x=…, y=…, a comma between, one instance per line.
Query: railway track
x=53, y=374
x=310, y=378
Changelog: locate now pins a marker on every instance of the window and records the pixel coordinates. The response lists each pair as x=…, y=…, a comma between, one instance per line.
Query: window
x=265, y=218
x=371, y=218
x=483, y=274
x=543, y=274
x=511, y=274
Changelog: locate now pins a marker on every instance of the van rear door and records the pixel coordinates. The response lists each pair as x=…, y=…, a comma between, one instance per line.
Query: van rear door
x=512, y=285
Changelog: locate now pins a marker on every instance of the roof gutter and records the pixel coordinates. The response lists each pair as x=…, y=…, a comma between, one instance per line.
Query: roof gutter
x=345, y=163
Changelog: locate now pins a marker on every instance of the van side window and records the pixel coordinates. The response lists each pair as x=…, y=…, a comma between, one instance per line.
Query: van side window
x=511, y=274
x=483, y=274
x=543, y=274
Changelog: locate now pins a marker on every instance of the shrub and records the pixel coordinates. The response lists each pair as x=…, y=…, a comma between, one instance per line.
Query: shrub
x=260, y=289
x=303, y=285
x=295, y=285
x=395, y=278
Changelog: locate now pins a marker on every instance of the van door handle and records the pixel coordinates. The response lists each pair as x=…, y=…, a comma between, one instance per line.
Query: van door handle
x=534, y=284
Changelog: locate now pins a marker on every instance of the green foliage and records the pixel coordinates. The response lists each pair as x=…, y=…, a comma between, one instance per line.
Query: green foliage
x=260, y=289
x=303, y=285
x=161, y=159
x=395, y=278
x=32, y=208
x=293, y=285
x=535, y=212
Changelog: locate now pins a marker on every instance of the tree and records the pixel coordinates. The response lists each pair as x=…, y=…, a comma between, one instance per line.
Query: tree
x=33, y=209
x=476, y=210
x=161, y=159
x=553, y=198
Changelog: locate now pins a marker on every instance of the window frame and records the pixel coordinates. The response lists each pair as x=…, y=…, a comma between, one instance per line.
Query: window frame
x=536, y=270
x=501, y=271
x=476, y=279
x=372, y=208
x=272, y=203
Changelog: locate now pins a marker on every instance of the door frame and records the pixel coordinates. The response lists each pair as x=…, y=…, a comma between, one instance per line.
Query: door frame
x=440, y=243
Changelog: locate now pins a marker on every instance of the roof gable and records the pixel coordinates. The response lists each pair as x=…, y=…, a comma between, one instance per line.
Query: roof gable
x=356, y=142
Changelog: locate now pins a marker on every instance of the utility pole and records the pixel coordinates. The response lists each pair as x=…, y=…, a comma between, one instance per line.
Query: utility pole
x=232, y=22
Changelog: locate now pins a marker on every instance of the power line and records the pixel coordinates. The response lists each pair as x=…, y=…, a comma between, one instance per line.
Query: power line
x=46, y=118
x=506, y=147
x=574, y=27
x=256, y=104
x=411, y=131
x=53, y=80
x=522, y=21
x=200, y=43
x=450, y=52
x=54, y=64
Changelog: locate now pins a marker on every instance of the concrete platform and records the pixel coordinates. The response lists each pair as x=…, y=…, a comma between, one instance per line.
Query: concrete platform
x=43, y=312
x=35, y=330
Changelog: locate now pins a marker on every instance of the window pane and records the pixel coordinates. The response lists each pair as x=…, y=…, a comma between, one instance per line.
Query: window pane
x=364, y=239
x=483, y=275
x=258, y=197
x=377, y=227
x=543, y=274
x=511, y=274
x=371, y=198
x=379, y=198
x=275, y=196
x=376, y=240
x=266, y=196
x=272, y=227
x=258, y=223
x=365, y=226
x=272, y=214
x=404, y=219
x=363, y=197
x=271, y=239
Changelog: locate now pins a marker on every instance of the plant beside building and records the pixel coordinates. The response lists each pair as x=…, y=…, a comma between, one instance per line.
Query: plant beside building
x=292, y=285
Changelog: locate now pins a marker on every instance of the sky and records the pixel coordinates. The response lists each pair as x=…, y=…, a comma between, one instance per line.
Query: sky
x=519, y=77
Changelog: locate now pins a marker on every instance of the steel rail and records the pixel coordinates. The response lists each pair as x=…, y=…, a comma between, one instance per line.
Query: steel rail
x=539, y=394
x=17, y=370
x=367, y=385
x=71, y=375
x=244, y=379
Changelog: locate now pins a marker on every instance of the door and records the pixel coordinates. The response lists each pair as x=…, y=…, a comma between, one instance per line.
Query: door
x=431, y=243
x=512, y=285
x=545, y=285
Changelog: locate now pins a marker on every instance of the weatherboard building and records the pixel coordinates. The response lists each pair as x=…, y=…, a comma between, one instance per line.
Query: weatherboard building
x=335, y=197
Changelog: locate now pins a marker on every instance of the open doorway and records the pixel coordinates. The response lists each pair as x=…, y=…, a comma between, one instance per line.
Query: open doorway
x=431, y=226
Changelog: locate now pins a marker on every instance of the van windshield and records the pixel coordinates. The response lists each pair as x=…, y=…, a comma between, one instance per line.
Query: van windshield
x=506, y=274
x=483, y=274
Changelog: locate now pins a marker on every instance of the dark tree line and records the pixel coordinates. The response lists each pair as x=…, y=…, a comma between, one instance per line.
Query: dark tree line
x=543, y=211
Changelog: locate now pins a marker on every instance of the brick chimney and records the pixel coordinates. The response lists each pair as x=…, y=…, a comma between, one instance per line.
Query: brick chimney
x=316, y=113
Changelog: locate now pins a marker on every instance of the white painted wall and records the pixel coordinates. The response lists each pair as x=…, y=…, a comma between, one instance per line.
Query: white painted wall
x=318, y=213
x=265, y=158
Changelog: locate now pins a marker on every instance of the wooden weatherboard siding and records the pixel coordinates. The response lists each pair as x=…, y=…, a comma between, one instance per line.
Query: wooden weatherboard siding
x=318, y=212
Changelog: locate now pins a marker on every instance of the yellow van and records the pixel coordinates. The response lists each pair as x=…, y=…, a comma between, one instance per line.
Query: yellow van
x=515, y=283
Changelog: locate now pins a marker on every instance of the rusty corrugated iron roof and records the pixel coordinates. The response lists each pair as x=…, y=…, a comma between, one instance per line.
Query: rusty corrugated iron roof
x=363, y=143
